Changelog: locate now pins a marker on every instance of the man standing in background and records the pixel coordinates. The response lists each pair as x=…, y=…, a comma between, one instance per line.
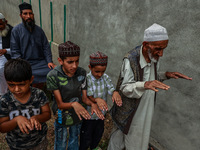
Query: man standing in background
x=29, y=42
x=5, y=32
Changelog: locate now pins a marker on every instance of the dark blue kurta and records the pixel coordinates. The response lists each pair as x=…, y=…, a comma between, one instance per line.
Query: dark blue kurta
x=33, y=47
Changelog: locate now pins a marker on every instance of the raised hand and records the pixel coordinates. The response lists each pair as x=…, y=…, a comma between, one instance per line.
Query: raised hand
x=95, y=109
x=102, y=104
x=177, y=75
x=153, y=85
x=80, y=111
x=117, y=98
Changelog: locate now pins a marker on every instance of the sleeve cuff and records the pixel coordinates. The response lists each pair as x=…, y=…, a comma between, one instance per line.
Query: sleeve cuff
x=140, y=85
x=162, y=76
x=8, y=51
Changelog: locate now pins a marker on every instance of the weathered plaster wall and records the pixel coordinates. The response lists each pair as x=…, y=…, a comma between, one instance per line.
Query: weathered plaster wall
x=115, y=27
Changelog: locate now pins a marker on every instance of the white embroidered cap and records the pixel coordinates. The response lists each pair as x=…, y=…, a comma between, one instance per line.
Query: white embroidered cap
x=1, y=16
x=155, y=33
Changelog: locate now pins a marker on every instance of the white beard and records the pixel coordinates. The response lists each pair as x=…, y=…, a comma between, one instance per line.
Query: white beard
x=150, y=56
x=4, y=32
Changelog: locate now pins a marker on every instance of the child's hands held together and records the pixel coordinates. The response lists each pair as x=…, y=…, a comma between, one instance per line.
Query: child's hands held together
x=80, y=111
x=35, y=123
x=24, y=124
x=117, y=98
x=102, y=104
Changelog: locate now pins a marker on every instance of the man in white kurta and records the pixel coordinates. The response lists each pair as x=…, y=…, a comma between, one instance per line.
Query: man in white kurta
x=5, y=30
x=140, y=127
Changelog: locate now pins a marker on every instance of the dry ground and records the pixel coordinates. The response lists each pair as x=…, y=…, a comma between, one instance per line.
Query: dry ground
x=50, y=135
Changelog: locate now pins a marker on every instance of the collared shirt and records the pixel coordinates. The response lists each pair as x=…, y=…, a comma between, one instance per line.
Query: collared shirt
x=99, y=88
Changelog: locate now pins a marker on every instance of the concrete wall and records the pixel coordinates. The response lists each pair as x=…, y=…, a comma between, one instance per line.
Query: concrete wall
x=115, y=27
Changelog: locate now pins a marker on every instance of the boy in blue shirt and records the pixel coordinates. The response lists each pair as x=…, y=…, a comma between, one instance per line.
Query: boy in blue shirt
x=68, y=83
x=23, y=109
x=99, y=85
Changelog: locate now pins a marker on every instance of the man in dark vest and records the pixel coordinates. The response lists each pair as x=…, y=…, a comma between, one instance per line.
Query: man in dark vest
x=5, y=32
x=137, y=85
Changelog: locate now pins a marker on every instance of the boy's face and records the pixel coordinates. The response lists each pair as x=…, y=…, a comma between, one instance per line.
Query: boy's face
x=97, y=71
x=21, y=90
x=69, y=65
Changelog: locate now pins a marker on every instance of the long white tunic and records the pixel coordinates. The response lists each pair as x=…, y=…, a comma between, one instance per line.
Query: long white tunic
x=138, y=135
x=3, y=60
x=139, y=132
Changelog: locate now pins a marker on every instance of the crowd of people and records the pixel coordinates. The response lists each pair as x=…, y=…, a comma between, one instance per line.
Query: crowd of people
x=79, y=98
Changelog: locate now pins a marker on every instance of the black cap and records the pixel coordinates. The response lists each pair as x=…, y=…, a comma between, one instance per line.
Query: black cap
x=25, y=5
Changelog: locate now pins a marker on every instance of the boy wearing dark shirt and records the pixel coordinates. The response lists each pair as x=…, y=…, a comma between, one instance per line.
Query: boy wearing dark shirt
x=68, y=83
x=23, y=110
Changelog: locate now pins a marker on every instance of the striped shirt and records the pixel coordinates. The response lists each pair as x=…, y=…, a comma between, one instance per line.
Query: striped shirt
x=99, y=88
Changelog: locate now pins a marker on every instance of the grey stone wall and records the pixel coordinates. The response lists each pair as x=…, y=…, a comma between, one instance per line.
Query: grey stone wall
x=115, y=27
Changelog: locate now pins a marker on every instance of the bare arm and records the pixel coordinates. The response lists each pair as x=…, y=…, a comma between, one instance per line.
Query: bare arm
x=92, y=99
x=79, y=109
x=7, y=125
x=94, y=107
x=85, y=98
x=60, y=103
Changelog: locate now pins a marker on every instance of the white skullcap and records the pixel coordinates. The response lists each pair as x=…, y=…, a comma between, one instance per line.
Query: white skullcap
x=155, y=33
x=1, y=16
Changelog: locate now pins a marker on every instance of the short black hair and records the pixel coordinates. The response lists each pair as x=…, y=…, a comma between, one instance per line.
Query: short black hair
x=17, y=70
x=63, y=57
x=92, y=66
